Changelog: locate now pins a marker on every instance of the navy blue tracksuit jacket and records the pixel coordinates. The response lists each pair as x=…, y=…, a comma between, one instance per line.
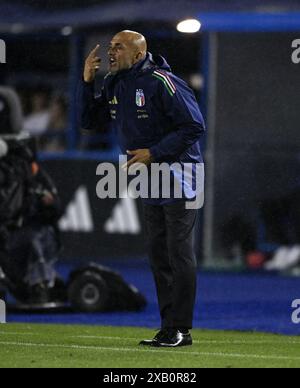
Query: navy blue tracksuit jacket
x=149, y=107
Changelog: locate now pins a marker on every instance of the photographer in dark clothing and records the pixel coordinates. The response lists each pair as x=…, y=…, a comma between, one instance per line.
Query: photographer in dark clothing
x=28, y=218
x=29, y=211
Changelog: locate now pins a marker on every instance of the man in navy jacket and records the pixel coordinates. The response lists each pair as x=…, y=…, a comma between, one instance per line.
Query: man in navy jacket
x=157, y=120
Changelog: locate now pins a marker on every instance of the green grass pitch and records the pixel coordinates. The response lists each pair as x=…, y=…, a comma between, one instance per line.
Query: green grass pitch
x=52, y=346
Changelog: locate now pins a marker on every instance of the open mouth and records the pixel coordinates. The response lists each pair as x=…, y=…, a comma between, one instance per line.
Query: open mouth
x=112, y=62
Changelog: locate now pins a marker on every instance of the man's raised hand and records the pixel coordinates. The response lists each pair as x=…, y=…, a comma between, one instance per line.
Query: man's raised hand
x=92, y=64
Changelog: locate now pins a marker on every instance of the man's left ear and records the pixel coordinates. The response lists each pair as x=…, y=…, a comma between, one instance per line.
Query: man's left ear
x=139, y=56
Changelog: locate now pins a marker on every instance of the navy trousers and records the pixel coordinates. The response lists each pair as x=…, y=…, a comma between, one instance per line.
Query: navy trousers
x=170, y=237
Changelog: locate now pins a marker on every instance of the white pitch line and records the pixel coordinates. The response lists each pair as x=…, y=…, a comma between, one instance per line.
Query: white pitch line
x=103, y=337
x=204, y=342
x=15, y=333
x=139, y=350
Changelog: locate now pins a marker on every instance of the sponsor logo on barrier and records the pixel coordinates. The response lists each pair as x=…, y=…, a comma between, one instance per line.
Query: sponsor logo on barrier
x=2, y=51
x=177, y=180
x=2, y=311
x=296, y=51
x=78, y=217
x=296, y=312
x=124, y=219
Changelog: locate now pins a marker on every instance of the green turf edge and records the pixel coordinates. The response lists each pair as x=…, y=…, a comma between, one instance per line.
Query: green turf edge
x=75, y=346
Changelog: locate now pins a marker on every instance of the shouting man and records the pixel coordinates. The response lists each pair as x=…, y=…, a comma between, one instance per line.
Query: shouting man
x=157, y=120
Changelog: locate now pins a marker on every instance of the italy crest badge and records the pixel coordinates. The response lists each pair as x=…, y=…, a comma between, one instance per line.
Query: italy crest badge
x=140, y=98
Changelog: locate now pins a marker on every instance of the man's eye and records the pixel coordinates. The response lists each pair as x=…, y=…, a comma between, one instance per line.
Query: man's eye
x=115, y=48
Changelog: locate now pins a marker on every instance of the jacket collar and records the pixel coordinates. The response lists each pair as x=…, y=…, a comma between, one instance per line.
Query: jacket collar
x=144, y=64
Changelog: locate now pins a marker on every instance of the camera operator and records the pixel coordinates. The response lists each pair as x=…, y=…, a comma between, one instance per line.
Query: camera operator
x=29, y=211
x=14, y=179
x=29, y=215
x=41, y=214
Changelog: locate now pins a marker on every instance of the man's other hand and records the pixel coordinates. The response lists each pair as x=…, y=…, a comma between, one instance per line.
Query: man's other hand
x=142, y=156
